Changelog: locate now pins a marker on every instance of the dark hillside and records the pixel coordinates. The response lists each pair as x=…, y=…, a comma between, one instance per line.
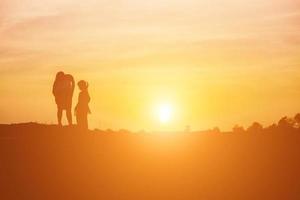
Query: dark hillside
x=48, y=162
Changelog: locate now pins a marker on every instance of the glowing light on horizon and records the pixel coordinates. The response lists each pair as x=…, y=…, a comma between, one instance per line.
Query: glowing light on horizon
x=165, y=113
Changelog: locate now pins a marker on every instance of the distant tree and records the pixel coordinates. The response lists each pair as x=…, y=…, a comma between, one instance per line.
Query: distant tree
x=297, y=120
x=124, y=131
x=255, y=127
x=271, y=127
x=238, y=129
x=187, y=129
x=216, y=130
x=286, y=123
x=109, y=131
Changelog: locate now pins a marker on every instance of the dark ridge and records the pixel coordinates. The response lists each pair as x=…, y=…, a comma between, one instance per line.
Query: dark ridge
x=50, y=162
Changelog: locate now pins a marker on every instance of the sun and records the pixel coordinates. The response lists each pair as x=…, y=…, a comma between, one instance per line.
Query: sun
x=164, y=112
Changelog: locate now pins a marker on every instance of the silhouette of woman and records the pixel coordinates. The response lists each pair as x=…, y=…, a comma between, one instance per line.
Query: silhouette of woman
x=62, y=90
x=82, y=108
x=70, y=86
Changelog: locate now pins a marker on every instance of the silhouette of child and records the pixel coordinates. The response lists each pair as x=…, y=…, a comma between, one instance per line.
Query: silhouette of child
x=82, y=107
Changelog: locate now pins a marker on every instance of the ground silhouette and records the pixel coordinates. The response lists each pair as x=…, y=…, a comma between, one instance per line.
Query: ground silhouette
x=50, y=162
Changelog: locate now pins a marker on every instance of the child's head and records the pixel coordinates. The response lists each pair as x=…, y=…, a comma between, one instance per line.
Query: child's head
x=83, y=85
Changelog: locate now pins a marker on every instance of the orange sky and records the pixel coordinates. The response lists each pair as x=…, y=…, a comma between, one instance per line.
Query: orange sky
x=217, y=62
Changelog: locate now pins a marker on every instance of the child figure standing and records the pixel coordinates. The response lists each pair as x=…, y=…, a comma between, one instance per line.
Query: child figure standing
x=82, y=108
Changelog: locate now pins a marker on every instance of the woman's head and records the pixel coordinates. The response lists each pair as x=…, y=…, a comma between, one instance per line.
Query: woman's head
x=83, y=85
x=59, y=76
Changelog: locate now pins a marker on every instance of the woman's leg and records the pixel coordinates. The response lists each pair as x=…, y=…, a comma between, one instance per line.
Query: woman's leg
x=59, y=115
x=78, y=121
x=69, y=116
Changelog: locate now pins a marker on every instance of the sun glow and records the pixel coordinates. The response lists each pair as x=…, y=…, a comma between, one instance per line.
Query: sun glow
x=165, y=113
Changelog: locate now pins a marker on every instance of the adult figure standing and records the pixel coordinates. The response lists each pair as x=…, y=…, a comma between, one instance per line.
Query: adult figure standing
x=63, y=89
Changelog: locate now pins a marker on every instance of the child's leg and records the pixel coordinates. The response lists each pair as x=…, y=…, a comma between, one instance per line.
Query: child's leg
x=85, y=122
x=82, y=121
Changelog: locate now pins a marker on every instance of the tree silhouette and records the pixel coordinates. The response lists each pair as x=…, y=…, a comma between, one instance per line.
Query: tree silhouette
x=286, y=123
x=216, y=130
x=238, y=129
x=297, y=120
x=255, y=127
x=272, y=127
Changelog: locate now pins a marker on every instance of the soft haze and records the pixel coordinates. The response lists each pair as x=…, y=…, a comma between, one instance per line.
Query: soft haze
x=218, y=62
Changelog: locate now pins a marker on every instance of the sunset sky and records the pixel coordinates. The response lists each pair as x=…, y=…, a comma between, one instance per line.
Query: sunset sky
x=216, y=62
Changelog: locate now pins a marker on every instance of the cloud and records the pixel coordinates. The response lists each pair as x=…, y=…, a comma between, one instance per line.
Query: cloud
x=108, y=30
x=4, y=10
